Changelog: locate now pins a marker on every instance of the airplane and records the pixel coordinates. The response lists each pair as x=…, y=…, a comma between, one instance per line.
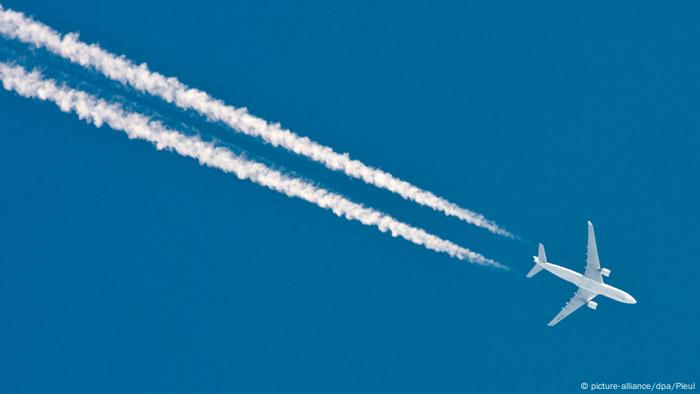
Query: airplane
x=590, y=284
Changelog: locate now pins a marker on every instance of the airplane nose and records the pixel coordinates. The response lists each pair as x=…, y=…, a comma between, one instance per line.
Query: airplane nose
x=632, y=300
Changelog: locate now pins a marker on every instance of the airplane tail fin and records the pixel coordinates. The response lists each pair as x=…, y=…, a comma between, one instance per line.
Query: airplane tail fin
x=541, y=258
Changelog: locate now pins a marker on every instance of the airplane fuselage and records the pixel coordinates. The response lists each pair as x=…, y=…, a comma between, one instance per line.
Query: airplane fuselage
x=587, y=283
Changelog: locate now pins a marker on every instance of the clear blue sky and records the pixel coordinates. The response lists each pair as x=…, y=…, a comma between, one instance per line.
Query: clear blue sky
x=128, y=270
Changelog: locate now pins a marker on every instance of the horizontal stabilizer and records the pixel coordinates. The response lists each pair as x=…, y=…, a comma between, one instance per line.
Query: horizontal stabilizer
x=537, y=268
x=541, y=258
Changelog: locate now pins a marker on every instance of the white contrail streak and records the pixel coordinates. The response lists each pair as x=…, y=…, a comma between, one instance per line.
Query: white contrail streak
x=137, y=126
x=16, y=25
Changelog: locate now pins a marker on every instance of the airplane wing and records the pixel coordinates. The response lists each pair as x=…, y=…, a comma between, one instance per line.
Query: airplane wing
x=592, y=262
x=580, y=297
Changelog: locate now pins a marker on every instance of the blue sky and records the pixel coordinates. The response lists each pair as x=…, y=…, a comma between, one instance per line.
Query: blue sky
x=125, y=269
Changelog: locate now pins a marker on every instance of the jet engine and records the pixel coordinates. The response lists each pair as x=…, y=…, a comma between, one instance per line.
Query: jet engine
x=605, y=272
x=593, y=305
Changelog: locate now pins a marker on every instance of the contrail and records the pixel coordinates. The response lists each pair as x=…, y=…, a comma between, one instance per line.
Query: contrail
x=16, y=25
x=137, y=126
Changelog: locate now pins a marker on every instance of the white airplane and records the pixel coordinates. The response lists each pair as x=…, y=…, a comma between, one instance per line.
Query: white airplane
x=590, y=284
